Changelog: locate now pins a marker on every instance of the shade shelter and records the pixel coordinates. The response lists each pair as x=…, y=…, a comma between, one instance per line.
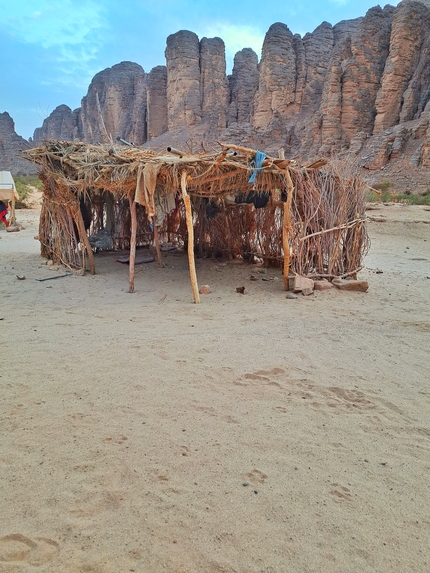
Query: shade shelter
x=235, y=201
x=8, y=193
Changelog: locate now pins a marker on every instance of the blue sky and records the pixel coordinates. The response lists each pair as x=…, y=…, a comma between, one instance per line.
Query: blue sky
x=51, y=49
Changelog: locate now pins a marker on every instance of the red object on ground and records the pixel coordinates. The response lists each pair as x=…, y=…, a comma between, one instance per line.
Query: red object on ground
x=3, y=217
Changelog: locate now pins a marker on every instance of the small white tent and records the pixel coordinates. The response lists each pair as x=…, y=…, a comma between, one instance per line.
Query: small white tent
x=8, y=192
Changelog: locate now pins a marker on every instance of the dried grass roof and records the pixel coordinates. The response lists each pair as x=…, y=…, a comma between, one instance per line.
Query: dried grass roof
x=117, y=168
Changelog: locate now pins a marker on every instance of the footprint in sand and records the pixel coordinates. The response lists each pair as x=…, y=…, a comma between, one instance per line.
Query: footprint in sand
x=341, y=493
x=354, y=398
x=19, y=548
x=116, y=440
x=185, y=451
x=280, y=409
x=265, y=377
x=256, y=476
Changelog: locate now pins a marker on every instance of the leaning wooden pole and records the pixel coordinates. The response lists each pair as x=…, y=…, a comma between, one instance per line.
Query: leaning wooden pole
x=132, y=203
x=12, y=218
x=79, y=221
x=286, y=227
x=157, y=241
x=190, y=229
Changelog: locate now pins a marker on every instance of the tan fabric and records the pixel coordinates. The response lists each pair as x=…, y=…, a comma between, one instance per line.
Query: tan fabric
x=164, y=202
x=145, y=187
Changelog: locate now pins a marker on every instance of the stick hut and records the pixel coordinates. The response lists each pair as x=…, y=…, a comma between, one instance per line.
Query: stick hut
x=233, y=202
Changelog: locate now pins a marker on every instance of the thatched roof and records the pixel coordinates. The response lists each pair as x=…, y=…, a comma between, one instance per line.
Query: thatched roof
x=117, y=168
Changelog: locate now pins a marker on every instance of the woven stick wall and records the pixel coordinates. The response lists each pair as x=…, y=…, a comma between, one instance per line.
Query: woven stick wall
x=326, y=233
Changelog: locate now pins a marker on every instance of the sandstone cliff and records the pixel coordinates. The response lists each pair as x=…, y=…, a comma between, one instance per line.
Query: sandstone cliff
x=243, y=86
x=61, y=124
x=10, y=146
x=115, y=105
x=156, y=97
x=360, y=87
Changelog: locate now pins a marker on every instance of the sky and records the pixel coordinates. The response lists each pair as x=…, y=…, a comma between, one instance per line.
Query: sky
x=51, y=49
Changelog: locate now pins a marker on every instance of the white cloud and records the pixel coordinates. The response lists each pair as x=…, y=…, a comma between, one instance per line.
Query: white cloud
x=54, y=23
x=235, y=38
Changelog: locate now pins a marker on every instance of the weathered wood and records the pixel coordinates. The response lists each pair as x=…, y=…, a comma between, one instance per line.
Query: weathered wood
x=132, y=203
x=280, y=161
x=176, y=151
x=348, y=225
x=190, y=229
x=157, y=242
x=286, y=226
x=77, y=217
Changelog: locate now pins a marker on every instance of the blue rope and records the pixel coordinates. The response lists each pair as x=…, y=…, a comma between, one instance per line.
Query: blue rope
x=259, y=158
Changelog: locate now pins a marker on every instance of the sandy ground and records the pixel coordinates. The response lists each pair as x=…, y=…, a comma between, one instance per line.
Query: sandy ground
x=250, y=433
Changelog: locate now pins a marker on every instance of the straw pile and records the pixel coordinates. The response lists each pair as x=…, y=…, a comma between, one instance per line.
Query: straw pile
x=314, y=216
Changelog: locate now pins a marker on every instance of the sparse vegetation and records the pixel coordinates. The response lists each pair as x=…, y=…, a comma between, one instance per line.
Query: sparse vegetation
x=382, y=186
x=25, y=185
x=408, y=198
x=385, y=196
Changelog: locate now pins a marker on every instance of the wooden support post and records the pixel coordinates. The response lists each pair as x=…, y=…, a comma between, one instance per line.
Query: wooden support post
x=190, y=229
x=110, y=213
x=12, y=218
x=77, y=216
x=228, y=232
x=132, y=243
x=156, y=241
x=286, y=226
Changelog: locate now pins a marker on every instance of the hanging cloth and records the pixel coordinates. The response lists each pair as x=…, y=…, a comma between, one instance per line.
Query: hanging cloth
x=258, y=161
x=145, y=187
x=164, y=202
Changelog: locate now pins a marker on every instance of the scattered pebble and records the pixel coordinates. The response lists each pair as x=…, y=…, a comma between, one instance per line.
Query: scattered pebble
x=290, y=295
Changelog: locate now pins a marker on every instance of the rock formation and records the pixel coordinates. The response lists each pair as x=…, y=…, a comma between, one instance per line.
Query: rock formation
x=115, y=105
x=11, y=145
x=184, y=102
x=410, y=32
x=277, y=79
x=360, y=87
x=243, y=85
x=214, y=84
x=156, y=97
x=61, y=124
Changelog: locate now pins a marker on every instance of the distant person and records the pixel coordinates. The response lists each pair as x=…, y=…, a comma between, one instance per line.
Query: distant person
x=3, y=212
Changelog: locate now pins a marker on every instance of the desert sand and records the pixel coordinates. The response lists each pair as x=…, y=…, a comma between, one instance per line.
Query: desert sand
x=250, y=433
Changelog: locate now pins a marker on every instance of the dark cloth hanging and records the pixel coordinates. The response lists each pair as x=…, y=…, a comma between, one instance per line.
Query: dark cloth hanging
x=212, y=210
x=259, y=200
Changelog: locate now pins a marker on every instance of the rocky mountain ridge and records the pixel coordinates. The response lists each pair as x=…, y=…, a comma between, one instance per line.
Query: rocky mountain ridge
x=360, y=88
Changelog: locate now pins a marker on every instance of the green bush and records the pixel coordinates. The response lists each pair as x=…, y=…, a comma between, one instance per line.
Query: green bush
x=413, y=199
x=24, y=184
x=382, y=186
x=408, y=198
